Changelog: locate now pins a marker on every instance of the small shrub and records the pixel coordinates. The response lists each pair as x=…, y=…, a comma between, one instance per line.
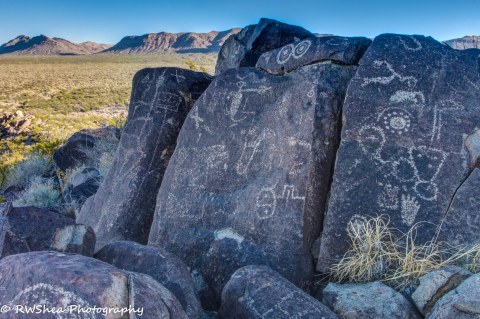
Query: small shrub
x=42, y=192
x=377, y=254
x=32, y=167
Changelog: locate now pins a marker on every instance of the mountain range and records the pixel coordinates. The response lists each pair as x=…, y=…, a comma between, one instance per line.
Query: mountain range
x=184, y=42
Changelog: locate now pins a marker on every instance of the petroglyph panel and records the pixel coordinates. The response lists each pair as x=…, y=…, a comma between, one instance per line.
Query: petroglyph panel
x=408, y=111
x=313, y=50
x=123, y=206
x=232, y=176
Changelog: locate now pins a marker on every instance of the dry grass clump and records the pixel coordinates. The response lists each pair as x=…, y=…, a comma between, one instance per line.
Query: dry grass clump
x=377, y=254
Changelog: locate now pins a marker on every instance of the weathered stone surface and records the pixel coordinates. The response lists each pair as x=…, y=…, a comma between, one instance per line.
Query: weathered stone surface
x=82, y=185
x=461, y=303
x=408, y=109
x=77, y=239
x=461, y=227
x=58, y=280
x=82, y=148
x=311, y=50
x=226, y=172
x=124, y=204
x=367, y=301
x=24, y=229
x=162, y=266
x=259, y=292
x=435, y=285
x=228, y=252
x=244, y=48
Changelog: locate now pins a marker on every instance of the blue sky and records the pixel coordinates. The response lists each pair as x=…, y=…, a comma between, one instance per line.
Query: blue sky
x=108, y=21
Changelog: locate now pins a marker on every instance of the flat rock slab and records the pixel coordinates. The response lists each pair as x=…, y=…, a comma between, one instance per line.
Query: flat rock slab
x=460, y=303
x=160, y=265
x=68, y=281
x=226, y=174
x=259, y=292
x=25, y=229
x=124, y=204
x=435, y=285
x=244, y=48
x=368, y=301
x=84, y=147
x=311, y=50
x=408, y=110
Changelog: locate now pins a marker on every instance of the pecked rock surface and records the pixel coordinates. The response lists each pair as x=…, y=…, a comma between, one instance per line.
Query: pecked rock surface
x=244, y=48
x=124, y=204
x=259, y=292
x=160, y=265
x=253, y=162
x=368, y=301
x=311, y=50
x=85, y=147
x=58, y=280
x=408, y=111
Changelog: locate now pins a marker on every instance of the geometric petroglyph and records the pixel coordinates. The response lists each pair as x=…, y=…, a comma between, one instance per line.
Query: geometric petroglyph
x=372, y=140
x=396, y=120
x=416, y=97
x=410, y=80
x=409, y=209
x=267, y=200
x=296, y=51
x=251, y=149
x=169, y=101
x=236, y=111
x=417, y=46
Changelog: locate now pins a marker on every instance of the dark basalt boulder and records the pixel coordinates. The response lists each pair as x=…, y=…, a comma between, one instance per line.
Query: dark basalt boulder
x=407, y=113
x=244, y=48
x=124, y=204
x=25, y=229
x=82, y=185
x=77, y=283
x=160, y=265
x=312, y=50
x=259, y=292
x=78, y=239
x=254, y=156
x=83, y=147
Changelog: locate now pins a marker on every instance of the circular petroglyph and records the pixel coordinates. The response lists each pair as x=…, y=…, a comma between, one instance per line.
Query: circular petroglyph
x=397, y=122
x=285, y=54
x=301, y=48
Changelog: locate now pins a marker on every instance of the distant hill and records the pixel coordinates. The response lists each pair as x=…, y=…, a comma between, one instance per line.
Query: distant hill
x=468, y=42
x=189, y=42
x=43, y=45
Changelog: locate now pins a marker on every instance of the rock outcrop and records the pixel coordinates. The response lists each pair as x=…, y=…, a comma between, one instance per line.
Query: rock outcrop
x=259, y=292
x=160, y=265
x=244, y=48
x=435, y=285
x=226, y=175
x=460, y=303
x=76, y=283
x=122, y=208
x=408, y=109
x=368, y=301
x=467, y=42
x=86, y=147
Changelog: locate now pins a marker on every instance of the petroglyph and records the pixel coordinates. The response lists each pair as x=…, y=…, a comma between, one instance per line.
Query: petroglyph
x=266, y=202
x=389, y=198
x=252, y=148
x=285, y=53
x=409, y=209
x=169, y=101
x=289, y=193
x=410, y=80
x=301, y=48
x=372, y=140
x=237, y=109
x=416, y=97
x=395, y=120
x=440, y=108
x=417, y=46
